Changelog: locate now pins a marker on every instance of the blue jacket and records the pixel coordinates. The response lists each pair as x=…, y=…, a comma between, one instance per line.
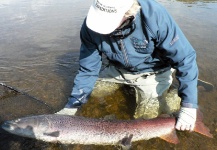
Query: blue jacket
x=156, y=43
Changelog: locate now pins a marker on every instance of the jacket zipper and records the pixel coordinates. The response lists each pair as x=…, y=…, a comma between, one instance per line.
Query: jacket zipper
x=123, y=49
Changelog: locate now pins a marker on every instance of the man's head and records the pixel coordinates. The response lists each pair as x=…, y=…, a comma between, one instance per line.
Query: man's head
x=105, y=16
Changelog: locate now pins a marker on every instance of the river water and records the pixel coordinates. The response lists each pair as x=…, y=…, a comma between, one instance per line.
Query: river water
x=39, y=50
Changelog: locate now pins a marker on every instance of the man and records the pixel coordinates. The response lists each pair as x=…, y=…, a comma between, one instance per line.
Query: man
x=143, y=45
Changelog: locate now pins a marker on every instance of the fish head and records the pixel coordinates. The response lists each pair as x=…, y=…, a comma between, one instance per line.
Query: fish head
x=27, y=127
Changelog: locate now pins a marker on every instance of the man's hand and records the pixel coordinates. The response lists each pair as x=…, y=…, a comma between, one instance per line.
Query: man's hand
x=73, y=103
x=71, y=107
x=67, y=111
x=186, y=119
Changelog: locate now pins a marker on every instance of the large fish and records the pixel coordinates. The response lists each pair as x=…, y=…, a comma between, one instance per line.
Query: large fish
x=80, y=130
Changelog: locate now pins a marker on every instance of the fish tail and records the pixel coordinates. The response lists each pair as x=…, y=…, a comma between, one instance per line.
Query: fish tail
x=200, y=127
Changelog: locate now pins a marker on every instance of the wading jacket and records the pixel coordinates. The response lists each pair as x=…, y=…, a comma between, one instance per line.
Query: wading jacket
x=152, y=42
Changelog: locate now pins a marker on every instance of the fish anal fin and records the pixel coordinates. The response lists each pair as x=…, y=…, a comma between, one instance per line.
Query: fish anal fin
x=200, y=127
x=125, y=143
x=171, y=137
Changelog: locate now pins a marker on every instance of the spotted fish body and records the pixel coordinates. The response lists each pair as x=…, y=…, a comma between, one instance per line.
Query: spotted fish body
x=80, y=130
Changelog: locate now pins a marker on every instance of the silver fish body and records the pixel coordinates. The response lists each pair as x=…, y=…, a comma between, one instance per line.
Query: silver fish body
x=80, y=130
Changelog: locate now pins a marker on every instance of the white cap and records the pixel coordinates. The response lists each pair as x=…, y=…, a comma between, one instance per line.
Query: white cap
x=105, y=16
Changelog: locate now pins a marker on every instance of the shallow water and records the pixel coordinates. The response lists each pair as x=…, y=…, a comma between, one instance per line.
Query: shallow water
x=39, y=49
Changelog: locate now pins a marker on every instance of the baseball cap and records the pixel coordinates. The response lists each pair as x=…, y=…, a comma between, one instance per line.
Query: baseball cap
x=104, y=16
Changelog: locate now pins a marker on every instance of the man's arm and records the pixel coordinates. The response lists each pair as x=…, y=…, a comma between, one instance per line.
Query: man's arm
x=176, y=49
x=90, y=62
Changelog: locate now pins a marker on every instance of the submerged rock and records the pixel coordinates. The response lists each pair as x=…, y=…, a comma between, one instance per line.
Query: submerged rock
x=119, y=99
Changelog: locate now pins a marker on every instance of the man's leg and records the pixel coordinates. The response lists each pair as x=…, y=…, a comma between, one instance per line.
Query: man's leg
x=112, y=74
x=150, y=90
x=150, y=95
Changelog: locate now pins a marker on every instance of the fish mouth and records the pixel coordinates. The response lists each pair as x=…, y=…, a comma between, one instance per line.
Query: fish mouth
x=9, y=125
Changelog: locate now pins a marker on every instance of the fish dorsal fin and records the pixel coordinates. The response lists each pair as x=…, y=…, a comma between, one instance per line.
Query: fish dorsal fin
x=171, y=138
x=164, y=116
x=109, y=117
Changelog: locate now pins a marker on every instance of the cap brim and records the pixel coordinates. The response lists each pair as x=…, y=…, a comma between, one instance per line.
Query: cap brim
x=103, y=23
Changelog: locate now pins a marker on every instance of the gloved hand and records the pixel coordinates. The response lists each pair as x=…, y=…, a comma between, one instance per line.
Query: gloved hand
x=186, y=119
x=71, y=107
x=73, y=103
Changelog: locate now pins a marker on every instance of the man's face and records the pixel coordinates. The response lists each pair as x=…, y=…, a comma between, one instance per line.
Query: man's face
x=123, y=19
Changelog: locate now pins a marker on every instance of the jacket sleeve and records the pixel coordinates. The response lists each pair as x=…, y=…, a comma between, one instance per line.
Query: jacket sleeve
x=175, y=48
x=90, y=62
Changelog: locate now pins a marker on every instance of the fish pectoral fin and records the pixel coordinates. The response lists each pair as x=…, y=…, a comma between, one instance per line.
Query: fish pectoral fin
x=171, y=138
x=206, y=85
x=53, y=134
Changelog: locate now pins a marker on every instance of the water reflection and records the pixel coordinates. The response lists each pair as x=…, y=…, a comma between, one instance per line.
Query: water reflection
x=196, y=1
